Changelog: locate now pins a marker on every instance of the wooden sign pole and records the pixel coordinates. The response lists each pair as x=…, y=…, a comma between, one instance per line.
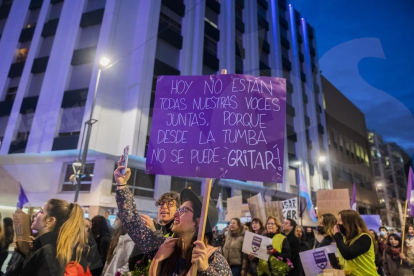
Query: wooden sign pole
x=403, y=229
x=204, y=209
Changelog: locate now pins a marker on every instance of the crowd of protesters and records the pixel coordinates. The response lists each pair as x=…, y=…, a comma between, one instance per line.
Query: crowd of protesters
x=65, y=243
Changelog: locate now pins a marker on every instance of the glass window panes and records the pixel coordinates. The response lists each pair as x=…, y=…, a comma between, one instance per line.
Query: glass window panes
x=140, y=183
x=178, y=183
x=86, y=179
x=210, y=45
x=247, y=194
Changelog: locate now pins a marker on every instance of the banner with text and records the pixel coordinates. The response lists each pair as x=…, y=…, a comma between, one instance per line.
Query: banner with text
x=218, y=126
x=332, y=201
x=290, y=209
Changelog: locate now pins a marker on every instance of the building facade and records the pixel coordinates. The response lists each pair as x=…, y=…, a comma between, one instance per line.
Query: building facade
x=388, y=161
x=349, y=149
x=50, y=51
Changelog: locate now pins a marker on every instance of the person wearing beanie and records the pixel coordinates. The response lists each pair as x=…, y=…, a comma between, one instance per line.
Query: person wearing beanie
x=173, y=256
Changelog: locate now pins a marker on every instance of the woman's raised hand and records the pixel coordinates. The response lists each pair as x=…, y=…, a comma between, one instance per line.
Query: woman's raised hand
x=120, y=178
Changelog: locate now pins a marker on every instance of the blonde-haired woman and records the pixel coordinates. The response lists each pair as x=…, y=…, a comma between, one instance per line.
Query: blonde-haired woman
x=326, y=225
x=280, y=246
x=62, y=243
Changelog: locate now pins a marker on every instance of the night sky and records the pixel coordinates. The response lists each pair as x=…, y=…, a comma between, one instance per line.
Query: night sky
x=366, y=49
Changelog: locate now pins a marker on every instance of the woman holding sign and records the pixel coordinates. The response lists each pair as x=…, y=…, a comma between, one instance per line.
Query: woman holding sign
x=258, y=228
x=279, y=249
x=355, y=245
x=173, y=256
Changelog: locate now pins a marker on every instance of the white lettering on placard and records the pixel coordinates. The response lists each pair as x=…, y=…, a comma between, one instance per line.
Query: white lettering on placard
x=180, y=86
x=251, y=158
x=209, y=139
x=172, y=136
x=214, y=87
x=211, y=103
x=159, y=155
x=243, y=119
x=173, y=104
x=177, y=156
x=186, y=119
x=263, y=104
x=249, y=135
x=205, y=156
x=256, y=85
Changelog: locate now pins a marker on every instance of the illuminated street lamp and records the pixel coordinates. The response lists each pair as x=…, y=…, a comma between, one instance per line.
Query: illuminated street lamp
x=104, y=63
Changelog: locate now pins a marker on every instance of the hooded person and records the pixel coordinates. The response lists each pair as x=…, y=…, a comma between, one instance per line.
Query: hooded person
x=173, y=256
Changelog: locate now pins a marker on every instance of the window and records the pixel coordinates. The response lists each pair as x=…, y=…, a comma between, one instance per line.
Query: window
x=212, y=17
x=225, y=194
x=32, y=18
x=264, y=57
x=86, y=179
x=2, y=24
x=21, y=54
x=11, y=93
x=357, y=150
x=261, y=11
x=175, y=26
x=347, y=145
x=45, y=46
x=11, y=88
x=35, y=84
x=178, y=183
x=247, y=194
x=55, y=10
x=140, y=184
x=239, y=12
x=71, y=120
x=93, y=5
x=210, y=45
x=88, y=37
x=341, y=143
x=292, y=176
x=80, y=76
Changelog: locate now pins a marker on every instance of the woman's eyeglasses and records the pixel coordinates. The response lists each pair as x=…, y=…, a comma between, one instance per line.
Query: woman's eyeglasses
x=183, y=210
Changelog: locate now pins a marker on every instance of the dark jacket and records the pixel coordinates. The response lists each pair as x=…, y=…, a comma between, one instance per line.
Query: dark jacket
x=42, y=261
x=327, y=240
x=294, y=253
x=15, y=264
x=102, y=243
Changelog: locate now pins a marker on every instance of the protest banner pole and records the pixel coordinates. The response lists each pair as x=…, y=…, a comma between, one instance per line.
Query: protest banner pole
x=204, y=209
x=403, y=229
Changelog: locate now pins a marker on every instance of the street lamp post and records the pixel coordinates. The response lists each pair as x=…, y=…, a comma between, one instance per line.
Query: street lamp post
x=321, y=159
x=103, y=64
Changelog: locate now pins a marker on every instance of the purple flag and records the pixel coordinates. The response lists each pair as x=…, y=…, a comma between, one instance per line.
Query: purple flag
x=353, y=200
x=218, y=126
x=22, y=198
x=410, y=193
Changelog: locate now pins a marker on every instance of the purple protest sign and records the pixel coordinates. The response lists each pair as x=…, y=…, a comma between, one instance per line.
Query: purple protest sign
x=218, y=126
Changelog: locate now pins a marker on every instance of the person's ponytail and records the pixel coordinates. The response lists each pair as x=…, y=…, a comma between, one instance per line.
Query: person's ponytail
x=72, y=235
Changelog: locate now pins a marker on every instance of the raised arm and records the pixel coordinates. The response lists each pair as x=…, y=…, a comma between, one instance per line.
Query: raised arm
x=131, y=220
